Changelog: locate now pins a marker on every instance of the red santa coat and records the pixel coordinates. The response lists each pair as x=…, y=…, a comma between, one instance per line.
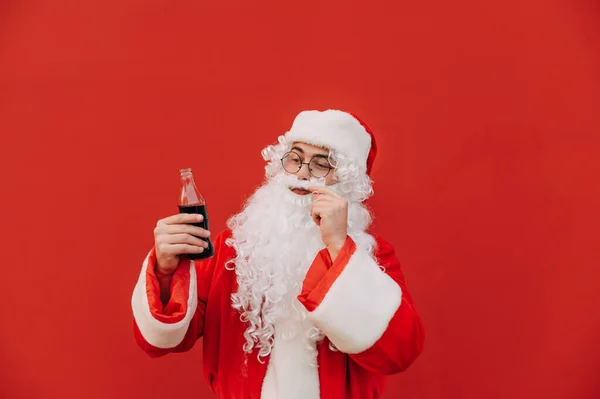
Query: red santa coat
x=367, y=313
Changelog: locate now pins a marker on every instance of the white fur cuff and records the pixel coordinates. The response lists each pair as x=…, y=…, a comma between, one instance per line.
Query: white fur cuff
x=359, y=305
x=156, y=333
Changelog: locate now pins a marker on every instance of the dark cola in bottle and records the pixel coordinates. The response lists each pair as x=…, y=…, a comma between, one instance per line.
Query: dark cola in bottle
x=191, y=201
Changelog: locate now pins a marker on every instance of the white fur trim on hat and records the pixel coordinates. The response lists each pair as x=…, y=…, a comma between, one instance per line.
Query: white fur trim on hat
x=334, y=130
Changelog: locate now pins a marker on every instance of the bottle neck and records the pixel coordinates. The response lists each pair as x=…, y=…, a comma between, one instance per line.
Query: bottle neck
x=189, y=192
x=186, y=178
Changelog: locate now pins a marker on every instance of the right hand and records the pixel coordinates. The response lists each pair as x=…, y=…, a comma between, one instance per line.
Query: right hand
x=174, y=236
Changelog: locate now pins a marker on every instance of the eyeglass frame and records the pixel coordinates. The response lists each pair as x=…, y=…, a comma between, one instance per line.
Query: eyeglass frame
x=307, y=163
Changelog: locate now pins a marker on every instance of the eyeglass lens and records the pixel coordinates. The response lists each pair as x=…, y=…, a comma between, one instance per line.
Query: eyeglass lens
x=318, y=166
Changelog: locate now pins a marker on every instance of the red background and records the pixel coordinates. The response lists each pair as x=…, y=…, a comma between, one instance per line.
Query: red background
x=487, y=116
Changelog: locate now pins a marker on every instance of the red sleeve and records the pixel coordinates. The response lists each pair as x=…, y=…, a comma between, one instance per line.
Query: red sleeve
x=364, y=311
x=175, y=327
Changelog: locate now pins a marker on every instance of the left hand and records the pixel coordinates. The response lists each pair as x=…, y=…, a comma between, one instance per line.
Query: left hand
x=329, y=210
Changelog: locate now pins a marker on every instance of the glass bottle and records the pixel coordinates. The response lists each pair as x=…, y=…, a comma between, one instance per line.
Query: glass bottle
x=191, y=201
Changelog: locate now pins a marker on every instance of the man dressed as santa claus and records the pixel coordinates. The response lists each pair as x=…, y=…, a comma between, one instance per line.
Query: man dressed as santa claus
x=300, y=300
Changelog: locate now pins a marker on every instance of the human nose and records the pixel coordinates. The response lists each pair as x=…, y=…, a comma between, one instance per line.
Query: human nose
x=303, y=173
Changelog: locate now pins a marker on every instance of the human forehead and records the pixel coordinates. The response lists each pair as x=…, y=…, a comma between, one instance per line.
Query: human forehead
x=309, y=150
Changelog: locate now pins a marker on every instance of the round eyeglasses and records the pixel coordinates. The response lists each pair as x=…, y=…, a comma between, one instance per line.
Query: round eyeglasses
x=318, y=166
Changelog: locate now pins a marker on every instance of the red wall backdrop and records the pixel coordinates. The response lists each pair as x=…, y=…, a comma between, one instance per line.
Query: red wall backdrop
x=487, y=115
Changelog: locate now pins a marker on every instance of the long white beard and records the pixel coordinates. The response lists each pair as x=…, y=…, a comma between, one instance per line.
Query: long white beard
x=276, y=241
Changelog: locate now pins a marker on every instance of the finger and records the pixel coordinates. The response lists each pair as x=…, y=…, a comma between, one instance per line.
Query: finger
x=315, y=217
x=187, y=229
x=174, y=239
x=324, y=204
x=317, y=220
x=322, y=199
x=321, y=204
x=318, y=211
x=181, y=218
x=323, y=191
x=313, y=213
x=179, y=249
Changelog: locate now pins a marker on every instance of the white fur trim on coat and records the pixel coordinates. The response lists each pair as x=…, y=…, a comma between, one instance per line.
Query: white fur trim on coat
x=332, y=129
x=292, y=372
x=156, y=333
x=359, y=305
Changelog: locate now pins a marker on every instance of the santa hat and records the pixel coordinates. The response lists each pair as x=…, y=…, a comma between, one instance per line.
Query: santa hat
x=336, y=130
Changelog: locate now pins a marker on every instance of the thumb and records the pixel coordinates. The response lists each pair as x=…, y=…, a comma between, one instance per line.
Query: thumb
x=315, y=217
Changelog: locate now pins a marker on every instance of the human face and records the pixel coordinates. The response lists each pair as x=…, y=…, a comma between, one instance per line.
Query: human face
x=306, y=153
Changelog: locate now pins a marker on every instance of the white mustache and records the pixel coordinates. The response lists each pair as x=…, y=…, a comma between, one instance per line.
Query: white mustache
x=292, y=181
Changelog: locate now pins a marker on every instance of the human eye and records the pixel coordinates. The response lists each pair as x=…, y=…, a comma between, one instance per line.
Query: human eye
x=321, y=164
x=293, y=162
